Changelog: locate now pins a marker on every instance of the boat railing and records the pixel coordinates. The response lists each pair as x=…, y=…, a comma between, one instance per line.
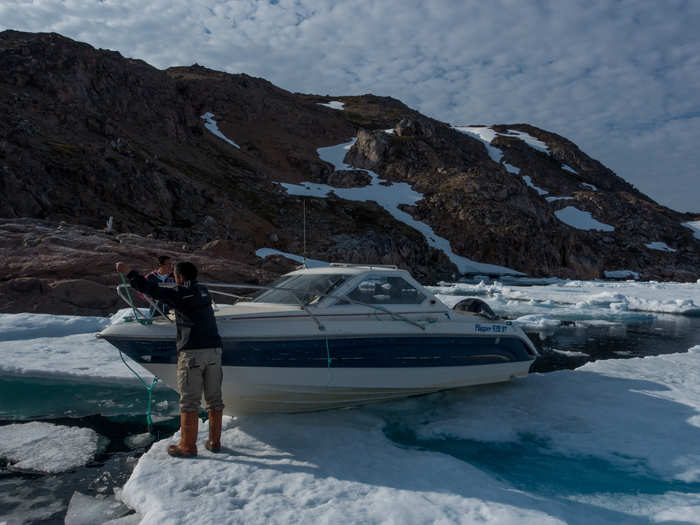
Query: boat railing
x=124, y=295
x=295, y=291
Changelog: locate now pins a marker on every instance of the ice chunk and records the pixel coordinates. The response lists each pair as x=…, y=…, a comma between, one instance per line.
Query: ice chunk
x=45, y=447
x=139, y=440
x=536, y=321
x=86, y=510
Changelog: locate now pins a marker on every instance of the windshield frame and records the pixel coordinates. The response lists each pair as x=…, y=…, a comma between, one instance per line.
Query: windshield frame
x=302, y=289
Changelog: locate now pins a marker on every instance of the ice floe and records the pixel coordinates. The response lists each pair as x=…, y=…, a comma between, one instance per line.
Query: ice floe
x=73, y=356
x=581, y=220
x=86, y=510
x=30, y=326
x=45, y=447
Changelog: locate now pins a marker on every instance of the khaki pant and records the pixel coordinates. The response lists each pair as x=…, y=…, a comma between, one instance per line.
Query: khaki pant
x=199, y=370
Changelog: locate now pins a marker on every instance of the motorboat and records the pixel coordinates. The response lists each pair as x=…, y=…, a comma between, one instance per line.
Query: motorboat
x=337, y=336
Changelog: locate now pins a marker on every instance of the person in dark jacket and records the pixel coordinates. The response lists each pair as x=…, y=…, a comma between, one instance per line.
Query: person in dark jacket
x=163, y=274
x=198, y=353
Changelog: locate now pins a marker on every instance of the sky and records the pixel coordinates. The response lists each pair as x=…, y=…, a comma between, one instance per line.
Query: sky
x=619, y=78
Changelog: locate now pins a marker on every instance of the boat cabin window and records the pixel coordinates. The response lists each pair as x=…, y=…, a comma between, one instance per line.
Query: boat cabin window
x=307, y=288
x=385, y=290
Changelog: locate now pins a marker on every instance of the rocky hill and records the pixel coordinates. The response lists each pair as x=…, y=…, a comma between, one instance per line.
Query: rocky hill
x=87, y=134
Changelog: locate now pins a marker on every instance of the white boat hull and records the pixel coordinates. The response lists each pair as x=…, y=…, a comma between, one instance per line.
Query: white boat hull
x=266, y=389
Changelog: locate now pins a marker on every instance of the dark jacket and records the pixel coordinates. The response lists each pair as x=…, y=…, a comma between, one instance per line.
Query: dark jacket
x=194, y=315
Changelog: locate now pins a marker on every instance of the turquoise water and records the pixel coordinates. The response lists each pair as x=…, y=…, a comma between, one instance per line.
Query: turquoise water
x=39, y=398
x=530, y=465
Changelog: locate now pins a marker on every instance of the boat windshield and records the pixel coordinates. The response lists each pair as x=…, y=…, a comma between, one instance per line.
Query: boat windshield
x=307, y=288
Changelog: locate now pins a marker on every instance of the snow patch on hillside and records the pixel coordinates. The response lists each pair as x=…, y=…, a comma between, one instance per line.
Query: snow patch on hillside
x=333, y=104
x=581, y=220
x=212, y=126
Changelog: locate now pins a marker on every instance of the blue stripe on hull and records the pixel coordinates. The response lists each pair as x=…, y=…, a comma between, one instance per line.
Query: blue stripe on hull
x=385, y=352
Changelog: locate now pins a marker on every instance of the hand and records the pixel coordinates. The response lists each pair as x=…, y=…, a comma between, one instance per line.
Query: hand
x=122, y=268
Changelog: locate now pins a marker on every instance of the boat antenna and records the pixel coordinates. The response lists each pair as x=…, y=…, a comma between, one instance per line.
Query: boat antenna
x=304, y=203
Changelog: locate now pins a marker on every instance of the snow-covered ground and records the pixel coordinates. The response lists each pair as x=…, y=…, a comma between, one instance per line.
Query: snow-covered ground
x=614, y=441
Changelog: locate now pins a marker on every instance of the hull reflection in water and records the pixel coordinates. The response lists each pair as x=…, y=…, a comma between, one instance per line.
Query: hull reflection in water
x=339, y=336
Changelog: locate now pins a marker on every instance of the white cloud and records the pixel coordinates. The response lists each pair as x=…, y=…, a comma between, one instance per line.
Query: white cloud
x=621, y=79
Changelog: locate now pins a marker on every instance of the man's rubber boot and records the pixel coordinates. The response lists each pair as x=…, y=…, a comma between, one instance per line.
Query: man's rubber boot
x=214, y=441
x=189, y=421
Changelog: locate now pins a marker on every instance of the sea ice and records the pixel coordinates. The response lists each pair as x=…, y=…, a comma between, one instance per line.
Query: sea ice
x=78, y=357
x=45, y=447
x=86, y=510
x=638, y=416
x=601, y=300
x=28, y=326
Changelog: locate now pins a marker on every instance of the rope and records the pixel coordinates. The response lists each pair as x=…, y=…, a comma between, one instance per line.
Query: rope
x=149, y=421
x=131, y=302
x=330, y=371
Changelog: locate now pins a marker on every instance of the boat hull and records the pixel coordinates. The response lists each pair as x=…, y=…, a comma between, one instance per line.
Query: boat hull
x=248, y=390
x=310, y=374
